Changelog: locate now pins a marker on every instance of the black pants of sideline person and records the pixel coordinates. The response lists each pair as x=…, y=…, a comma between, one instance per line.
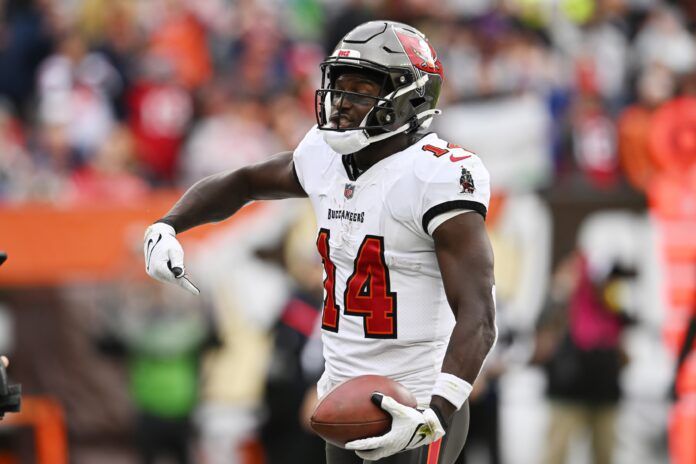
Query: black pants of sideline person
x=157, y=436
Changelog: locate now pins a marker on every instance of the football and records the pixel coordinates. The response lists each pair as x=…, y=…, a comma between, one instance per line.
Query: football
x=347, y=412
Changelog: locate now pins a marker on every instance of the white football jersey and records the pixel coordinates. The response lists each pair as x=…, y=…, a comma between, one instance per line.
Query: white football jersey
x=385, y=309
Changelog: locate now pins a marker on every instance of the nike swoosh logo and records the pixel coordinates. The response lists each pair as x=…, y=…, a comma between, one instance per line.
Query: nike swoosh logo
x=413, y=436
x=150, y=250
x=454, y=159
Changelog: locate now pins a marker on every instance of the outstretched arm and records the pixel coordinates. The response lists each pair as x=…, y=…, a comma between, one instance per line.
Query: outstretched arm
x=212, y=199
x=219, y=196
x=466, y=263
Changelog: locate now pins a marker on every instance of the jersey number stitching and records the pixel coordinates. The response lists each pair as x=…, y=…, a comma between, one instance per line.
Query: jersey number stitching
x=329, y=318
x=438, y=152
x=368, y=293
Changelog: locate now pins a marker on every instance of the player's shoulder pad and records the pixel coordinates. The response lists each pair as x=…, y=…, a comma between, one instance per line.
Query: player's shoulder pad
x=310, y=142
x=442, y=161
x=312, y=158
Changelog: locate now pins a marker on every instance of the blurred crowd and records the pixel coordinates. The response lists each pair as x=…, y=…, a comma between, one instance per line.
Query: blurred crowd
x=112, y=98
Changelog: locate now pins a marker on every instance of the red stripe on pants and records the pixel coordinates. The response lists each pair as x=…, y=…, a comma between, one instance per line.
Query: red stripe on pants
x=434, y=452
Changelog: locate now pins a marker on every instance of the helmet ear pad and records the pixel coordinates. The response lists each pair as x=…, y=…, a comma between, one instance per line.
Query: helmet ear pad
x=384, y=116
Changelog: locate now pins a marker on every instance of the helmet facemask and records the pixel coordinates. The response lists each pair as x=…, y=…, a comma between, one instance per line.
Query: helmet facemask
x=377, y=119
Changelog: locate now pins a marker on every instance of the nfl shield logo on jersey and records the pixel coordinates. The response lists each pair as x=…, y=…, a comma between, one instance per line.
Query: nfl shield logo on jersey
x=466, y=181
x=348, y=191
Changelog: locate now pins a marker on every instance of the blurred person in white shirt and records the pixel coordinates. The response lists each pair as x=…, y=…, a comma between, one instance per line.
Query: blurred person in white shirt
x=73, y=87
x=231, y=135
x=664, y=40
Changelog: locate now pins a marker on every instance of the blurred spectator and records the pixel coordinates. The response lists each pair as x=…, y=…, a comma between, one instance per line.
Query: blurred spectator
x=231, y=134
x=655, y=86
x=111, y=28
x=603, y=41
x=161, y=335
x=690, y=10
x=579, y=343
x=73, y=90
x=25, y=39
x=260, y=66
x=664, y=40
x=160, y=111
x=288, y=121
x=180, y=38
x=16, y=167
x=53, y=159
x=110, y=174
x=594, y=142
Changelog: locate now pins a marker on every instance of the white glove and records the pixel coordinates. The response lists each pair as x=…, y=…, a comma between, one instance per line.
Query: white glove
x=410, y=429
x=164, y=257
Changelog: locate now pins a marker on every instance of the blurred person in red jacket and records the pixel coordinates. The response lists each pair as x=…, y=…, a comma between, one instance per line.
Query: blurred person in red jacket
x=160, y=112
x=180, y=37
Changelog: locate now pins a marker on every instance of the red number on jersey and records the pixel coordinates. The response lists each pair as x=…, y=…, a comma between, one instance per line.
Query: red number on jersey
x=436, y=151
x=329, y=319
x=367, y=291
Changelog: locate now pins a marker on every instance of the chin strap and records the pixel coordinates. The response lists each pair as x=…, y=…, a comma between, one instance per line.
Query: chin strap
x=351, y=141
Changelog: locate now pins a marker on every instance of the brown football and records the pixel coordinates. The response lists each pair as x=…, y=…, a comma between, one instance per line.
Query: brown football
x=347, y=412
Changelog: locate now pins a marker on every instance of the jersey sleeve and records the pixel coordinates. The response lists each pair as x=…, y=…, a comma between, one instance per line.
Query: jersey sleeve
x=455, y=186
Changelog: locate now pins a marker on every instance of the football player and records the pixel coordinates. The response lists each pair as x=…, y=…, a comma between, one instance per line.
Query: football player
x=408, y=289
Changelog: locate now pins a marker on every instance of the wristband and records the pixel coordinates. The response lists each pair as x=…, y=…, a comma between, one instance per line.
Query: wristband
x=452, y=388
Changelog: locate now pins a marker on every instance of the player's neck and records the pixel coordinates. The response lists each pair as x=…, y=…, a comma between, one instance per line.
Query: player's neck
x=376, y=152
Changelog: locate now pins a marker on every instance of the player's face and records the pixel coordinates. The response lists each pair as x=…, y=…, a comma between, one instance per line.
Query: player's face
x=348, y=110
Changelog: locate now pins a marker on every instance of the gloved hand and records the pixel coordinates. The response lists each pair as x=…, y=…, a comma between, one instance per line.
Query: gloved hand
x=410, y=429
x=164, y=257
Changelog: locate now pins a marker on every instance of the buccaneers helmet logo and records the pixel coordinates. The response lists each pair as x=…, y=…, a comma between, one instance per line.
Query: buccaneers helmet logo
x=420, y=53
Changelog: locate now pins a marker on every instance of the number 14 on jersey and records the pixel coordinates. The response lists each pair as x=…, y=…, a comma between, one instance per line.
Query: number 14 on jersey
x=367, y=295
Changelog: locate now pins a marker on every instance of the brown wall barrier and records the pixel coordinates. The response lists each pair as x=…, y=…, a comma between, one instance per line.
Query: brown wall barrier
x=50, y=245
